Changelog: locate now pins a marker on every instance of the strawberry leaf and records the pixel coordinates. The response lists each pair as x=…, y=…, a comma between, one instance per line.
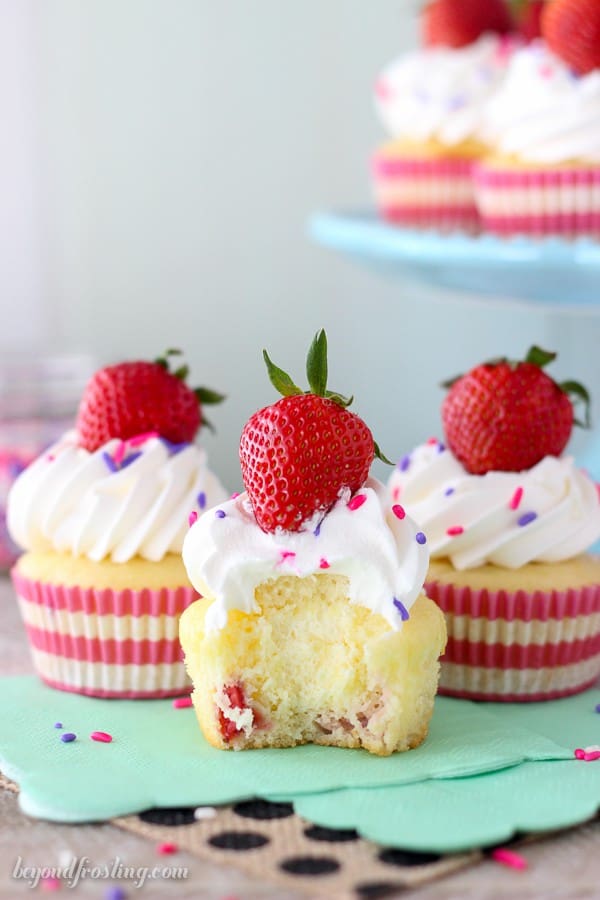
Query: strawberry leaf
x=182, y=372
x=339, y=398
x=206, y=396
x=450, y=381
x=539, y=357
x=280, y=380
x=208, y=424
x=580, y=395
x=380, y=455
x=316, y=364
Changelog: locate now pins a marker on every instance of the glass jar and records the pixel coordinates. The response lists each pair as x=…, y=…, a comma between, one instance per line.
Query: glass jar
x=39, y=396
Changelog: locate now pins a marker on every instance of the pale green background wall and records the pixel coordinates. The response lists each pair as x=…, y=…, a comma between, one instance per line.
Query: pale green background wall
x=161, y=161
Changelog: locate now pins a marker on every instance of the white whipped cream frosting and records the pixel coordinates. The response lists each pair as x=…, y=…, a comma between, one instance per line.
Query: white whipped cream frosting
x=226, y=552
x=73, y=501
x=544, y=112
x=442, y=92
x=497, y=510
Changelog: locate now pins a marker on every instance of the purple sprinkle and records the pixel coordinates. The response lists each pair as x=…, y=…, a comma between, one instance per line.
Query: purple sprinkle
x=448, y=492
x=401, y=609
x=114, y=892
x=317, y=530
x=201, y=498
x=456, y=102
x=58, y=724
x=441, y=447
x=220, y=514
x=597, y=708
x=404, y=463
x=420, y=538
x=130, y=459
x=173, y=448
x=68, y=736
x=110, y=463
x=527, y=518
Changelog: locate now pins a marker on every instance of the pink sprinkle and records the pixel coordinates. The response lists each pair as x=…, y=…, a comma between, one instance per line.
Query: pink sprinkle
x=103, y=736
x=50, y=884
x=516, y=498
x=455, y=530
x=182, y=702
x=357, y=501
x=398, y=511
x=398, y=490
x=432, y=441
x=142, y=438
x=579, y=753
x=50, y=457
x=167, y=848
x=383, y=90
x=590, y=757
x=323, y=564
x=598, y=489
x=286, y=554
x=119, y=454
x=509, y=858
x=193, y=516
x=235, y=494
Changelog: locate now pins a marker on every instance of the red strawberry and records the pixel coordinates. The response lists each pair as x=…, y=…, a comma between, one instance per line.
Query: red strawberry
x=506, y=416
x=300, y=453
x=572, y=30
x=132, y=398
x=529, y=19
x=457, y=23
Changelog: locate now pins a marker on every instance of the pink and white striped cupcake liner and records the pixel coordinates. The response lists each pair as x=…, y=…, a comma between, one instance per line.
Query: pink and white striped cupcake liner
x=518, y=646
x=538, y=202
x=105, y=643
x=426, y=192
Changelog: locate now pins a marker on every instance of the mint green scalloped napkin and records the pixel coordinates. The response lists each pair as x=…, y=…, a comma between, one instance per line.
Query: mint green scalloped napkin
x=462, y=813
x=159, y=758
x=453, y=815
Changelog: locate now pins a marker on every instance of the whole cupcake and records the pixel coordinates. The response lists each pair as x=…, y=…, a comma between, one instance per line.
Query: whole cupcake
x=102, y=516
x=508, y=522
x=431, y=102
x=312, y=627
x=543, y=174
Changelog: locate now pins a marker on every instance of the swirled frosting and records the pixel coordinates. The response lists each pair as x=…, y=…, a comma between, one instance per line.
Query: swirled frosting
x=441, y=92
x=123, y=500
x=543, y=112
x=548, y=513
x=384, y=557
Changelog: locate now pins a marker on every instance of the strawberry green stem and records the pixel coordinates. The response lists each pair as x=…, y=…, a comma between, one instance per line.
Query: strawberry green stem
x=316, y=374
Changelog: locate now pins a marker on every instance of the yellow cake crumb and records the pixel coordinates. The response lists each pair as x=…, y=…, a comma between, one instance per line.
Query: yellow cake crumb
x=310, y=667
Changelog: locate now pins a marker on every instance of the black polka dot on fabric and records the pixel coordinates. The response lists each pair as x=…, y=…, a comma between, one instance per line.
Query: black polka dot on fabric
x=238, y=840
x=169, y=815
x=394, y=857
x=377, y=889
x=334, y=835
x=263, y=810
x=310, y=865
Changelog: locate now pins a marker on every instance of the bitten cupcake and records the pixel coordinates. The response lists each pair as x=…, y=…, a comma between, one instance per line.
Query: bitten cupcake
x=543, y=174
x=508, y=522
x=431, y=102
x=312, y=625
x=102, y=515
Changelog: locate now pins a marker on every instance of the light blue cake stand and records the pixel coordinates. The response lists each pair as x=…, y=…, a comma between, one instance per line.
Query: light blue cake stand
x=550, y=274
